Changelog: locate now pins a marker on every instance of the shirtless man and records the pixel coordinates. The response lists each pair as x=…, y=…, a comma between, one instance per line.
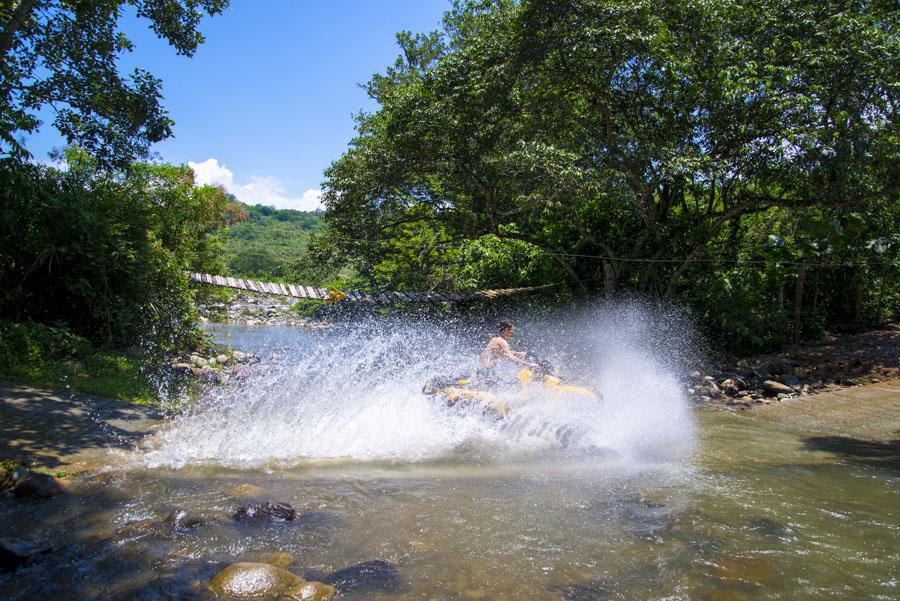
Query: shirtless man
x=497, y=349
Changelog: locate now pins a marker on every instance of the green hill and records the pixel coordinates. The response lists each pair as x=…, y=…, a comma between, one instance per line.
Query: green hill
x=269, y=240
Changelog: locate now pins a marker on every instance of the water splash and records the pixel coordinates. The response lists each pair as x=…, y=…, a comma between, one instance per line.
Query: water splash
x=355, y=393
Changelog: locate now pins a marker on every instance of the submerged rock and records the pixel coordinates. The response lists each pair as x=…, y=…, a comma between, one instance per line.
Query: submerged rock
x=243, y=491
x=33, y=485
x=314, y=520
x=376, y=576
x=182, y=520
x=265, y=513
x=773, y=529
x=18, y=554
x=597, y=590
x=249, y=580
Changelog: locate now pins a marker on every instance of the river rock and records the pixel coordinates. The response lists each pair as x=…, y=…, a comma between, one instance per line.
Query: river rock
x=265, y=513
x=15, y=554
x=730, y=388
x=182, y=520
x=208, y=374
x=248, y=580
x=790, y=380
x=311, y=590
x=199, y=361
x=222, y=359
x=33, y=485
x=773, y=388
x=376, y=576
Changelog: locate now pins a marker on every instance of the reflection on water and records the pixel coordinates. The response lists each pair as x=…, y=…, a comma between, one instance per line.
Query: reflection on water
x=745, y=510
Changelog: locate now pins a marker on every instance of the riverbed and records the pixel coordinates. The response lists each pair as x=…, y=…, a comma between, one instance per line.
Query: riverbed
x=753, y=505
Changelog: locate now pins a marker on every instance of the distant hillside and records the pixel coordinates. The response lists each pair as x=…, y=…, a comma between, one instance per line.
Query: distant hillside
x=269, y=240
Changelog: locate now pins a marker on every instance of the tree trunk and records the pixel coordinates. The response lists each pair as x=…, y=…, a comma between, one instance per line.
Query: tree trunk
x=781, y=297
x=610, y=276
x=798, y=303
x=815, y=306
x=859, y=289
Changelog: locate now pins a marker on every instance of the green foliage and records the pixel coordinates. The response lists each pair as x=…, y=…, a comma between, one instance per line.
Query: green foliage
x=105, y=253
x=267, y=243
x=64, y=55
x=54, y=357
x=635, y=146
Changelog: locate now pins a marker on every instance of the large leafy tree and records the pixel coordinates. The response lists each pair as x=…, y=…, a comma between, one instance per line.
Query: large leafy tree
x=61, y=56
x=637, y=144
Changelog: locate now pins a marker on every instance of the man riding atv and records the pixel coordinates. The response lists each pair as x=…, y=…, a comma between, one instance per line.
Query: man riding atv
x=483, y=393
x=496, y=350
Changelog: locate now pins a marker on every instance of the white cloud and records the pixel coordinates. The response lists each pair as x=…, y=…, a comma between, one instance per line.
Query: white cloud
x=259, y=190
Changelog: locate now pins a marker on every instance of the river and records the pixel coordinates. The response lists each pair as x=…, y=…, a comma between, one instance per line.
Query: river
x=642, y=496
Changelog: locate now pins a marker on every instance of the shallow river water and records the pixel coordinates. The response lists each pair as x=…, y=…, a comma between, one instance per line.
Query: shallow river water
x=734, y=508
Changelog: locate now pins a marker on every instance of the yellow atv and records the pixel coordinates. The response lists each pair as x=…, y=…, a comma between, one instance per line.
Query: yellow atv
x=463, y=393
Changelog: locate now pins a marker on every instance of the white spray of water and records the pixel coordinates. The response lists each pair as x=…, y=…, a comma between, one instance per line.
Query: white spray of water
x=356, y=394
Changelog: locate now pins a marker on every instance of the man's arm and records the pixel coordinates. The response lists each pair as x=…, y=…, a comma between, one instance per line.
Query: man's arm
x=515, y=356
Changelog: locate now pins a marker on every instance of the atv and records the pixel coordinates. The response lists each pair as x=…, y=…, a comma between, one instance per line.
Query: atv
x=462, y=392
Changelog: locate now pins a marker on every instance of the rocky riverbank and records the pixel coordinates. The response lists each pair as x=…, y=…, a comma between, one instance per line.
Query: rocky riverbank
x=257, y=309
x=216, y=367
x=839, y=362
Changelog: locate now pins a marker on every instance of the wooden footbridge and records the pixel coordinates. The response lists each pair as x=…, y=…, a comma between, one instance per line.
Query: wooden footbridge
x=334, y=295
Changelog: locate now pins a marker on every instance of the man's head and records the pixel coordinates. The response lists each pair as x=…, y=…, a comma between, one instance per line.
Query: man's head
x=506, y=329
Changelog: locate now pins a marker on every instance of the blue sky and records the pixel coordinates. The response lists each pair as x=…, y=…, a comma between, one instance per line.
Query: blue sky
x=268, y=101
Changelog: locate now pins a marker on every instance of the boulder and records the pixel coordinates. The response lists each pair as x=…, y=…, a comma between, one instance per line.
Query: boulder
x=773, y=388
x=265, y=513
x=33, y=485
x=222, y=359
x=199, y=361
x=248, y=580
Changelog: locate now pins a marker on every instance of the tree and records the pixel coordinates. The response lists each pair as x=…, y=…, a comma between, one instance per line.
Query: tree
x=62, y=55
x=632, y=142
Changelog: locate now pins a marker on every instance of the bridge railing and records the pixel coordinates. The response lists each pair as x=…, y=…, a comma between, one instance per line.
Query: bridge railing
x=333, y=294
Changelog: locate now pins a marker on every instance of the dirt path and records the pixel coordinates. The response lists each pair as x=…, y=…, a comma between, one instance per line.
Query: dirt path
x=67, y=432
